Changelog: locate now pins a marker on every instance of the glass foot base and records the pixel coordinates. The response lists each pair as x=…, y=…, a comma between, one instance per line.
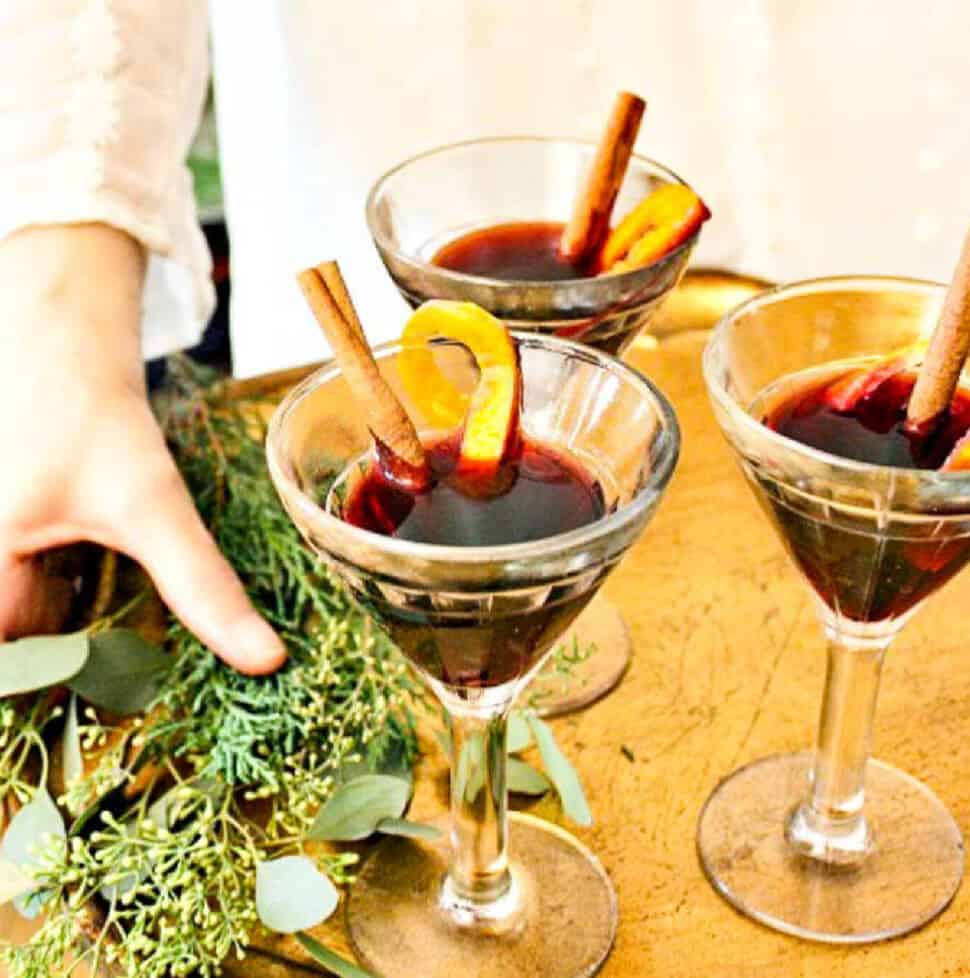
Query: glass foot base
x=911, y=874
x=565, y=923
x=601, y=625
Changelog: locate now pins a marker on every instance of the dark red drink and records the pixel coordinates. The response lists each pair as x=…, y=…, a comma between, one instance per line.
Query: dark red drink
x=536, y=493
x=528, y=251
x=523, y=251
x=873, y=430
x=865, y=572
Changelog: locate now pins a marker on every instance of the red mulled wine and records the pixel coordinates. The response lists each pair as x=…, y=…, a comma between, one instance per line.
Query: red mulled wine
x=522, y=251
x=864, y=572
x=536, y=493
x=874, y=429
x=528, y=251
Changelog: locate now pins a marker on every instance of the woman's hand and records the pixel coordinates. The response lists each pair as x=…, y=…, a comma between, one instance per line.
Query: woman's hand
x=81, y=456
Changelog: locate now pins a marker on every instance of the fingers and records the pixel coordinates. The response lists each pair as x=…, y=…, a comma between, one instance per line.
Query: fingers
x=166, y=535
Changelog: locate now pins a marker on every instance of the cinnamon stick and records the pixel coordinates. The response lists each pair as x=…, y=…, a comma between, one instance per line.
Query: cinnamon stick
x=940, y=372
x=590, y=222
x=330, y=273
x=328, y=298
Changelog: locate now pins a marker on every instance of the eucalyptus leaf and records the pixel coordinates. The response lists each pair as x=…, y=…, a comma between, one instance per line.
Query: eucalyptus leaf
x=80, y=825
x=519, y=735
x=123, y=672
x=161, y=811
x=404, y=826
x=356, y=808
x=561, y=773
x=165, y=809
x=14, y=882
x=524, y=779
x=30, y=905
x=334, y=963
x=41, y=661
x=292, y=894
x=28, y=830
x=72, y=760
x=395, y=765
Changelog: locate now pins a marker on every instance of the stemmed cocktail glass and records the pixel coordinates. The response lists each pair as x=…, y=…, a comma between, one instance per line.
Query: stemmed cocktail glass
x=431, y=199
x=509, y=896
x=832, y=845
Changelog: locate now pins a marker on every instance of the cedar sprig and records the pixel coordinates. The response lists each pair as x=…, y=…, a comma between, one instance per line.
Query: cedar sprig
x=344, y=694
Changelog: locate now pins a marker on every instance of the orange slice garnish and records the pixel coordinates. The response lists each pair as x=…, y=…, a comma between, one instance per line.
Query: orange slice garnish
x=845, y=393
x=660, y=223
x=959, y=458
x=491, y=412
x=856, y=385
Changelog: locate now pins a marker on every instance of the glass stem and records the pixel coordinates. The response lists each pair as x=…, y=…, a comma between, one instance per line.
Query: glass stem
x=830, y=825
x=479, y=886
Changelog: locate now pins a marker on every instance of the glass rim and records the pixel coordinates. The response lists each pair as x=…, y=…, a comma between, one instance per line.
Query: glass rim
x=583, y=536
x=723, y=398
x=463, y=278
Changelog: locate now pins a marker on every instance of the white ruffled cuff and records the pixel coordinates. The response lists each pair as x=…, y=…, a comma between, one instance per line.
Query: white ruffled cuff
x=99, y=100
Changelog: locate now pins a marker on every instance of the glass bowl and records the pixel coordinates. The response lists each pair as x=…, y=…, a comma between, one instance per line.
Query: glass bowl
x=437, y=196
x=502, y=896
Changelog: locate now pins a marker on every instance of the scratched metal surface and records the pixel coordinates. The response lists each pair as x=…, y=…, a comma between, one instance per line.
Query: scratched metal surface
x=727, y=668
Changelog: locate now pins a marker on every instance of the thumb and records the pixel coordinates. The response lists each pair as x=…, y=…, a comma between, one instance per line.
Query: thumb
x=169, y=539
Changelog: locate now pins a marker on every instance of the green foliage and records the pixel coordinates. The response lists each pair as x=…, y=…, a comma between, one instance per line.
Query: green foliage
x=356, y=809
x=123, y=673
x=38, y=662
x=44, y=955
x=106, y=747
x=34, y=832
x=23, y=724
x=524, y=779
x=561, y=773
x=292, y=894
x=519, y=735
x=166, y=879
x=343, y=694
x=72, y=757
x=181, y=901
x=332, y=962
x=404, y=826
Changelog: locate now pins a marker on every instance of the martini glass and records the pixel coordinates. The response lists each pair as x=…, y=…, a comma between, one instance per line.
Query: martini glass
x=832, y=845
x=508, y=896
x=434, y=198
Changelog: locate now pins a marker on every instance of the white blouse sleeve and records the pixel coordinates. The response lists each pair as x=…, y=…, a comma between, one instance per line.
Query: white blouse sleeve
x=99, y=101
